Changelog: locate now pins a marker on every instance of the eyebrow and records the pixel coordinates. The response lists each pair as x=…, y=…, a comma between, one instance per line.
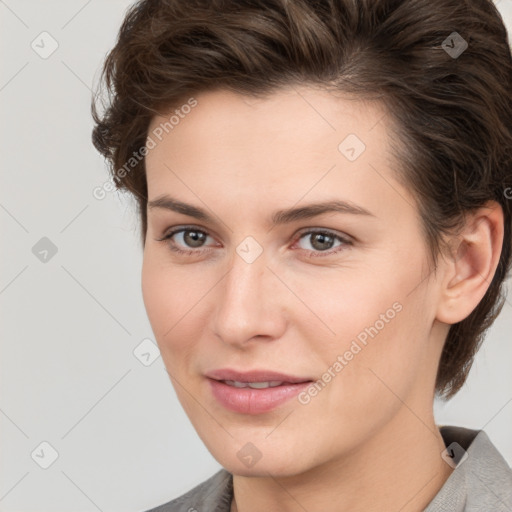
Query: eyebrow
x=278, y=217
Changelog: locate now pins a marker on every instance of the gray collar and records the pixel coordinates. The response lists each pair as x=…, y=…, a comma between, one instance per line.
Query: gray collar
x=482, y=479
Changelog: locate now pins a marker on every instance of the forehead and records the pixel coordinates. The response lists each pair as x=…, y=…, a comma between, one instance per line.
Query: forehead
x=289, y=126
x=291, y=111
x=294, y=142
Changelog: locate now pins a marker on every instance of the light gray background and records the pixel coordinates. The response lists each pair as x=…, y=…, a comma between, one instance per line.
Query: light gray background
x=70, y=325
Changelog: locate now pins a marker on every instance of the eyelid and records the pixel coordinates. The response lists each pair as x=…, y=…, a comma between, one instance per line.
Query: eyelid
x=177, y=229
x=344, y=238
x=299, y=234
x=333, y=233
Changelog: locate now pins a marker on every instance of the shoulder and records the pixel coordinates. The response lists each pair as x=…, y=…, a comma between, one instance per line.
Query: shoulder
x=481, y=480
x=214, y=494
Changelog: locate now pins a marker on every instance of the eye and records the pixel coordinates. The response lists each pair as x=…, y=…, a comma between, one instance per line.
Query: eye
x=322, y=242
x=187, y=237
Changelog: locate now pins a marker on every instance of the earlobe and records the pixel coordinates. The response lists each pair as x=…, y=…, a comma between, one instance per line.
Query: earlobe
x=472, y=264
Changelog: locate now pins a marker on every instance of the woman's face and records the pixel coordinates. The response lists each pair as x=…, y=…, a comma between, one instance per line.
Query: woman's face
x=344, y=298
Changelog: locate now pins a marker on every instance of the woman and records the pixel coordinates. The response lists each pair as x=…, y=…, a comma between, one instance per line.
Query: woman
x=324, y=193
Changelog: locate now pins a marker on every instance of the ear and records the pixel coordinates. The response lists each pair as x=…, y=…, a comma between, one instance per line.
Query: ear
x=470, y=268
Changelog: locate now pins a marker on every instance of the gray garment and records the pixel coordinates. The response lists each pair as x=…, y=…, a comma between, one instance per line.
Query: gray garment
x=481, y=481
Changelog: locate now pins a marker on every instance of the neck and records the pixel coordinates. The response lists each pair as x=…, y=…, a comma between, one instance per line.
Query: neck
x=398, y=469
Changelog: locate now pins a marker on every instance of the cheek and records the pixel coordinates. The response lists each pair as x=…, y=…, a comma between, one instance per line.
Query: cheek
x=161, y=292
x=381, y=332
x=364, y=382
x=172, y=305
x=152, y=293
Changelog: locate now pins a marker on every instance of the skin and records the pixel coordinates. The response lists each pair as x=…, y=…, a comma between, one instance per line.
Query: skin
x=368, y=441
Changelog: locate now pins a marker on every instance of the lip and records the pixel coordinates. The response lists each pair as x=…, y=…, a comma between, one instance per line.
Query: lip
x=255, y=376
x=254, y=401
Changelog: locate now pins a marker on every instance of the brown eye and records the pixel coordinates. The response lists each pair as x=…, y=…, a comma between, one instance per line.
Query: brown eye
x=186, y=240
x=193, y=238
x=322, y=242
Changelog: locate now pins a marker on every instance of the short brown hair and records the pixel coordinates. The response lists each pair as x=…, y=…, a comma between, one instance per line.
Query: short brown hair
x=453, y=112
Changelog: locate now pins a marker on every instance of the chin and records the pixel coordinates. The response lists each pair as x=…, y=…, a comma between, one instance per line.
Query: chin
x=264, y=471
x=267, y=465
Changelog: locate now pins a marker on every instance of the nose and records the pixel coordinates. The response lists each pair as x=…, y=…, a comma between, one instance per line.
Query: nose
x=251, y=303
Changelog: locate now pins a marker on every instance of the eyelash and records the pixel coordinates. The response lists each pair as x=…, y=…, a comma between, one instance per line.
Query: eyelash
x=175, y=248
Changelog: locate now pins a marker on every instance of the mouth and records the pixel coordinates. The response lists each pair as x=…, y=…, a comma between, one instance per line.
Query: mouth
x=255, y=377
x=254, y=392
x=255, y=385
